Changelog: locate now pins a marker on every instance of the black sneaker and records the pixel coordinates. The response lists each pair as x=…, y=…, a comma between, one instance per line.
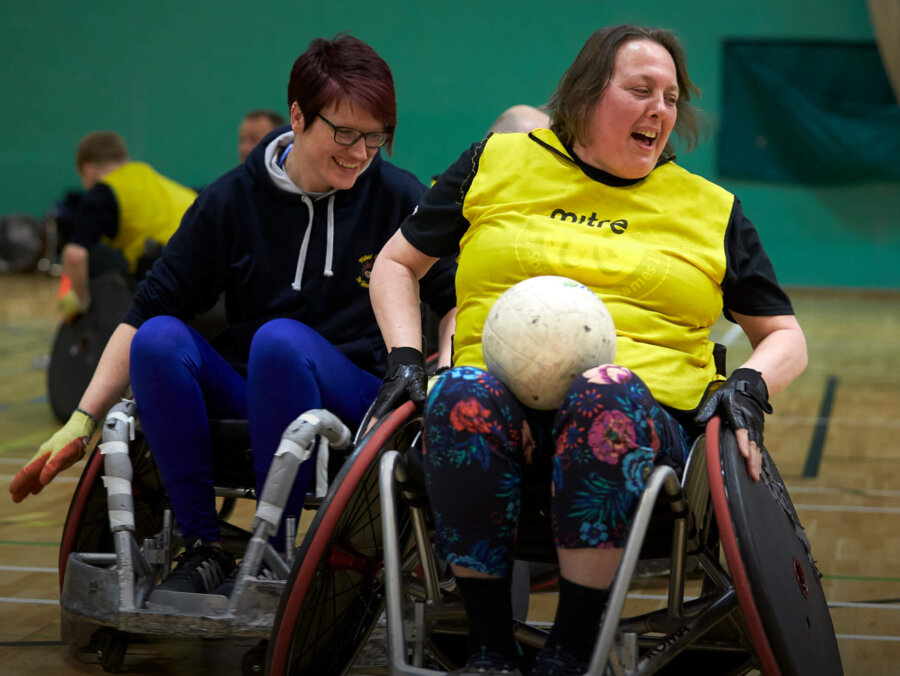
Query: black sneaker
x=227, y=586
x=201, y=568
x=557, y=662
x=487, y=663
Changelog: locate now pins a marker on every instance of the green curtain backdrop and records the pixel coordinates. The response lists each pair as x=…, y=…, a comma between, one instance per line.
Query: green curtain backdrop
x=807, y=112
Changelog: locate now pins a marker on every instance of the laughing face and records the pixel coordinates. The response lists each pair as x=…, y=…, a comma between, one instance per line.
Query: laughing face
x=630, y=124
x=317, y=163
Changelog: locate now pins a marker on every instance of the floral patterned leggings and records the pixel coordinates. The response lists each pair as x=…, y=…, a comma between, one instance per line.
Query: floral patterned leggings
x=605, y=439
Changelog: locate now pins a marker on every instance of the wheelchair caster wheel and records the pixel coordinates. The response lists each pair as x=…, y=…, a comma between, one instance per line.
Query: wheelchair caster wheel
x=111, y=647
x=254, y=660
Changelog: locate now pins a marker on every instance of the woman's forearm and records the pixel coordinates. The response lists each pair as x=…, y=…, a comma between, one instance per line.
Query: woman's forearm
x=779, y=349
x=111, y=377
x=394, y=291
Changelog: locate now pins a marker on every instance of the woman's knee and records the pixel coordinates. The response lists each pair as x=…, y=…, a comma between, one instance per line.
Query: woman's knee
x=461, y=383
x=159, y=338
x=281, y=338
x=608, y=376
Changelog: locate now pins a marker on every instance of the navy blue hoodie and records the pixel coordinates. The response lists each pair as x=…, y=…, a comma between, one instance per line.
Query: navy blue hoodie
x=244, y=236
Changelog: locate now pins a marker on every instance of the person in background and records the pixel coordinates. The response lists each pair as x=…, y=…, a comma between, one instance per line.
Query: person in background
x=520, y=118
x=126, y=203
x=254, y=126
x=599, y=198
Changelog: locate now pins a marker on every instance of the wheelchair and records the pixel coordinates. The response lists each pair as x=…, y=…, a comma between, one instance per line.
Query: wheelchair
x=760, y=604
x=119, y=538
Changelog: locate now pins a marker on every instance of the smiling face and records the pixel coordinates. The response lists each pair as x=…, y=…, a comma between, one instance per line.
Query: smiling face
x=316, y=162
x=631, y=122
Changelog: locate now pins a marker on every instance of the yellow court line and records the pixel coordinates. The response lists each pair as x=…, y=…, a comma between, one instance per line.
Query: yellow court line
x=35, y=438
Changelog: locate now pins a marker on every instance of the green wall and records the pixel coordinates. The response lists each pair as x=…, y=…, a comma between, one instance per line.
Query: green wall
x=174, y=78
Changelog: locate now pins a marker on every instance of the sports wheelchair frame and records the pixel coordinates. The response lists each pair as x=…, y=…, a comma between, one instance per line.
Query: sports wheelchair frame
x=760, y=604
x=119, y=538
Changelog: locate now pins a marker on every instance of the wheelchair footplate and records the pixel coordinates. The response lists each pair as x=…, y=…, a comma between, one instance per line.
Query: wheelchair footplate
x=92, y=594
x=771, y=563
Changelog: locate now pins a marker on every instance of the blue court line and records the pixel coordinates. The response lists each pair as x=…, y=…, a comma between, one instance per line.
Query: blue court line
x=28, y=543
x=38, y=399
x=817, y=446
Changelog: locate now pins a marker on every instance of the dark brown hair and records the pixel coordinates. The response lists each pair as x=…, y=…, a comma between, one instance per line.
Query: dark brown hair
x=590, y=73
x=100, y=147
x=344, y=68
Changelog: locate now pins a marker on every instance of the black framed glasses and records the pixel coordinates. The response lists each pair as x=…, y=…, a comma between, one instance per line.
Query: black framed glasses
x=347, y=136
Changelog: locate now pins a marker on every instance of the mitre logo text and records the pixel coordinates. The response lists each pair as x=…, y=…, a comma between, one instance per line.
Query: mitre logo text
x=618, y=226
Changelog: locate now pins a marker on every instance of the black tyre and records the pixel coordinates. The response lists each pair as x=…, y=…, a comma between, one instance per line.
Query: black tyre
x=78, y=344
x=772, y=567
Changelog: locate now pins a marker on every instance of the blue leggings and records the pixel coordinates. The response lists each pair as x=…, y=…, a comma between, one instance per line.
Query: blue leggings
x=598, y=450
x=179, y=382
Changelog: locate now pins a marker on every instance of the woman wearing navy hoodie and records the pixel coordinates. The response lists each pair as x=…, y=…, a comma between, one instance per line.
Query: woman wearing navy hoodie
x=289, y=236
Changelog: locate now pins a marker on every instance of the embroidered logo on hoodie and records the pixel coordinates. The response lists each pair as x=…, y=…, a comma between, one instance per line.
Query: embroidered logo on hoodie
x=365, y=270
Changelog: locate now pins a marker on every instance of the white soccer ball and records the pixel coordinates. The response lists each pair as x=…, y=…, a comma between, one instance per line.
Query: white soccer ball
x=544, y=332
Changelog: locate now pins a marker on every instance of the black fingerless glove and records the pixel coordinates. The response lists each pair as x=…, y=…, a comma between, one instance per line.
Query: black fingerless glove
x=742, y=400
x=405, y=379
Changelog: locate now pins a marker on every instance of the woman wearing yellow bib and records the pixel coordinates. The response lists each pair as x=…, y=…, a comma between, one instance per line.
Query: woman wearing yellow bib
x=598, y=198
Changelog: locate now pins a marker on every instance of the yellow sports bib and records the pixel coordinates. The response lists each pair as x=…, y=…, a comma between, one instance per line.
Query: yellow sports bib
x=653, y=251
x=150, y=205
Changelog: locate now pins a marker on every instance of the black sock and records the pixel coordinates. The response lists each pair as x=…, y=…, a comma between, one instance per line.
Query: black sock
x=577, y=620
x=489, y=609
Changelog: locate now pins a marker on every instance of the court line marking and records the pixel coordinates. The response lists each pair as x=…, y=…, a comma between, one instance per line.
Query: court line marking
x=859, y=492
x=843, y=637
x=57, y=480
x=860, y=578
x=831, y=604
x=834, y=420
x=29, y=569
x=27, y=439
x=26, y=644
x=849, y=508
x=43, y=602
x=817, y=444
x=22, y=461
x=19, y=543
x=863, y=604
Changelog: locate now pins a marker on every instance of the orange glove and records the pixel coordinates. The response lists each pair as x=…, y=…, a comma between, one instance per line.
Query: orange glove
x=62, y=450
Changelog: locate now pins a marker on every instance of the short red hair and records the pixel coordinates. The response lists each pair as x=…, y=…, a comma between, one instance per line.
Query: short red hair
x=344, y=69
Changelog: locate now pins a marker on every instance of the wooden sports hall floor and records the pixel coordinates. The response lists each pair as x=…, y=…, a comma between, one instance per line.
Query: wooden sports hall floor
x=834, y=437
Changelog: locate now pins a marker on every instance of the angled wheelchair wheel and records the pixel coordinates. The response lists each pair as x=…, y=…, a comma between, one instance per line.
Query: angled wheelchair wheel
x=78, y=344
x=772, y=568
x=87, y=524
x=335, y=592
